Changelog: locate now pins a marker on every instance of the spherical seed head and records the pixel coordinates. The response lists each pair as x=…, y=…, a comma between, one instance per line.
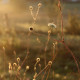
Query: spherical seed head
x=14, y=64
x=38, y=59
x=34, y=68
x=39, y=4
x=30, y=8
x=19, y=68
x=27, y=67
x=30, y=28
x=52, y=25
x=50, y=63
x=18, y=59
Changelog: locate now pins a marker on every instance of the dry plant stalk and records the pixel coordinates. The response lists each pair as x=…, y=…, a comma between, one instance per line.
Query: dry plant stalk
x=54, y=54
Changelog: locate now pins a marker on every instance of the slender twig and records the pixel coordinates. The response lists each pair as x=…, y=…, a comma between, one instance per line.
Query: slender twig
x=44, y=73
x=48, y=72
x=60, y=8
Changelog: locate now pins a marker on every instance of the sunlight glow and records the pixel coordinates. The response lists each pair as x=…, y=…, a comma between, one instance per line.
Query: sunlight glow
x=5, y=1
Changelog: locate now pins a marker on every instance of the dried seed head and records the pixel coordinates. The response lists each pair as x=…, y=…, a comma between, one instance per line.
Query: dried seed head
x=27, y=67
x=52, y=25
x=30, y=28
x=50, y=63
x=30, y=8
x=14, y=64
x=39, y=5
x=19, y=68
x=38, y=59
x=18, y=59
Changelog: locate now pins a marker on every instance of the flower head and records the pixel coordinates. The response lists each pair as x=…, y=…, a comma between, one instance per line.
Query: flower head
x=38, y=59
x=39, y=5
x=18, y=59
x=52, y=25
x=50, y=63
x=27, y=67
x=30, y=8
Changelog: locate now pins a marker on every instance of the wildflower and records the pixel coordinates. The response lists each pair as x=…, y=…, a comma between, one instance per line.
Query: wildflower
x=30, y=28
x=50, y=63
x=19, y=68
x=31, y=8
x=14, y=64
x=39, y=5
x=18, y=59
x=52, y=25
x=38, y=59
x=27, y=67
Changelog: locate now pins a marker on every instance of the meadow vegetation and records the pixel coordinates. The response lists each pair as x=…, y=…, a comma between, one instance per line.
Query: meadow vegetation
x=35, y=49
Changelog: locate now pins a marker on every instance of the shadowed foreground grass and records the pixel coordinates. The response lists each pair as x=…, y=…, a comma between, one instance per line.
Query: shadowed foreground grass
x=15, y=39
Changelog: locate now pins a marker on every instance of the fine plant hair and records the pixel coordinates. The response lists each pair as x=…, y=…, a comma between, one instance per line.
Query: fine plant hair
x=17, y=66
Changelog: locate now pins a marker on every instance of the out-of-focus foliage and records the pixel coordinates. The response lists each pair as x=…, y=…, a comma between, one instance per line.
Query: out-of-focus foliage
x=74, y=25
x=51, y=8
x=19, y=5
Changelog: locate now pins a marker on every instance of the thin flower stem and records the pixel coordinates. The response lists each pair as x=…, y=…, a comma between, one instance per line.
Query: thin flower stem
x=42, y=70
x=48, y=72
x=44, y=73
